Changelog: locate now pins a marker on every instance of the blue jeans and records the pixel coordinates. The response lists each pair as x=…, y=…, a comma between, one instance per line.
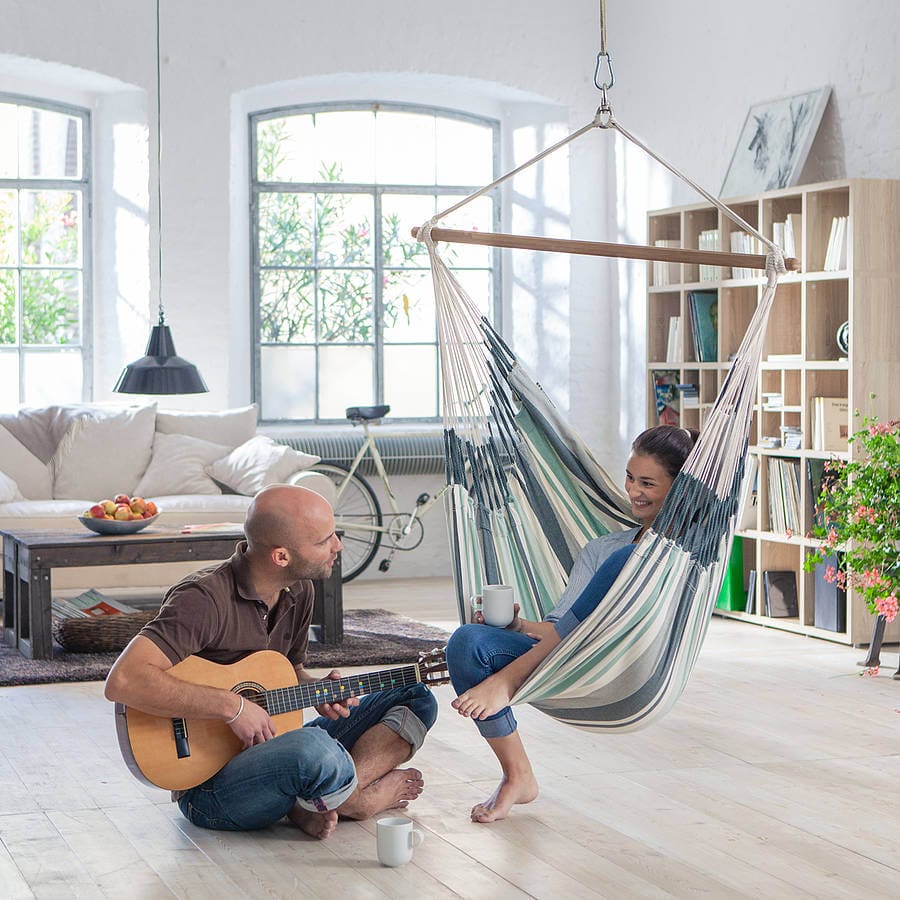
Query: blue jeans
x=475, y=652
x=309, y=765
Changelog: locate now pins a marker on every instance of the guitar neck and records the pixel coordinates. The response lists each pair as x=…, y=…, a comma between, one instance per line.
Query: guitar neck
x=312, y=693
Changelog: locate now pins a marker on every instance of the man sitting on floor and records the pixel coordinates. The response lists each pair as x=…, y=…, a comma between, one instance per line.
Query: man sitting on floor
x=343, y=762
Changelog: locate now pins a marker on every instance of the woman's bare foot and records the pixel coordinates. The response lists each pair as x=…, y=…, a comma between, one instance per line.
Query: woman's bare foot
x=510, y=791
x=392, y=791
x=315, y=824
x=485, y=699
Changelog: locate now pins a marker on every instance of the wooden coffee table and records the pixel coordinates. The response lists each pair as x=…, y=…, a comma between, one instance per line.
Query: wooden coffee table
x=29, y=558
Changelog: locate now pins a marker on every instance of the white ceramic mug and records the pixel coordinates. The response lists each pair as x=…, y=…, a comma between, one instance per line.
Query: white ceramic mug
x=497, y=602
x=396, y=837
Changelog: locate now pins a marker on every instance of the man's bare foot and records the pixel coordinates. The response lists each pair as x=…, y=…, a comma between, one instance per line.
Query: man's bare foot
x=510, y=791
x=485, y=699
x=315, y=824
x=392, y=791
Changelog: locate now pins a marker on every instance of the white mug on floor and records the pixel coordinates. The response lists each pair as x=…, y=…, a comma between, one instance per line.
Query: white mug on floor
x=497, y=604
x=395, y=837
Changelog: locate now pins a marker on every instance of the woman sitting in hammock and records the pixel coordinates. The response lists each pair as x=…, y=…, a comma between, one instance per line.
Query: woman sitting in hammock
x=488, y=665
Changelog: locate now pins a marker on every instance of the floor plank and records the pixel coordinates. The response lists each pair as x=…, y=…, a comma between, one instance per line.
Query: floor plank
x=775, y=776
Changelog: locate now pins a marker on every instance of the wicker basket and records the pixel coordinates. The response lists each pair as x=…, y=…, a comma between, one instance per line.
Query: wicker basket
x=100, y=634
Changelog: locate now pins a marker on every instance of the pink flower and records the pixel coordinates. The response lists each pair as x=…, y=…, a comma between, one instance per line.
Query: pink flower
x=832, y=539
x=789, y=532
x=888, y=607
x=831, y=574
x=69, y=219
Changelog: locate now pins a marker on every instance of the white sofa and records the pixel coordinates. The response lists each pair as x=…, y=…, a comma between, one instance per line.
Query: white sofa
x=199, y=468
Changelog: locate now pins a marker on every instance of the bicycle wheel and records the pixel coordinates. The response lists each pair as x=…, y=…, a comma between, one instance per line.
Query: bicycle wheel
x=358, y=515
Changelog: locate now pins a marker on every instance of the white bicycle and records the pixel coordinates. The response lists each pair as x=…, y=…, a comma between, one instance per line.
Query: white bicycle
x=357, y=511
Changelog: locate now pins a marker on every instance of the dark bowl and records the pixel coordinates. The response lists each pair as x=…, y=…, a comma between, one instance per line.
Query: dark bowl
x=116, y=526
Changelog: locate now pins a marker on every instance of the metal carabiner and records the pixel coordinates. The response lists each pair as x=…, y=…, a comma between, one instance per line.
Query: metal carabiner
x=604, y=59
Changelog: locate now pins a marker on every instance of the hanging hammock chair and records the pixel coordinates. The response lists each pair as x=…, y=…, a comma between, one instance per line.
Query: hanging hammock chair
x=525, y=494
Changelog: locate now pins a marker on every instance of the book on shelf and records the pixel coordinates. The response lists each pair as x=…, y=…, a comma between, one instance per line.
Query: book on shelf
x=792, y=233
x=88, y=604
x=780, y=591
x=784, y=357
x=784, y=495
x=830, y=599
x=704, y=308
x=709, y=240
x=673, y=344
x=668, y=405
x=836, y=250
x=831, y=423
x=769, y=442
x=772, y=400
x=741, y=242
x=732, y=596
x=751, y=592
x=666, y=273
x=747, y=518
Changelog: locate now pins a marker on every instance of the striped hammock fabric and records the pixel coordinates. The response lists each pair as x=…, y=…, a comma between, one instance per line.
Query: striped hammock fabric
x=525, y=495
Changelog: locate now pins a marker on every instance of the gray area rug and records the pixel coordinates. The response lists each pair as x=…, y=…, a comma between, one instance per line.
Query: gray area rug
x=372, y=637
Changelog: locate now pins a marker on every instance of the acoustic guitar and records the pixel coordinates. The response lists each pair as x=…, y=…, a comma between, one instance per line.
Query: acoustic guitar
x=177, y=754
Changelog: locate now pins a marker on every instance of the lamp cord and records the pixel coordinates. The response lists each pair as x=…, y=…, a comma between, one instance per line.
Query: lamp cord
x=159, y=171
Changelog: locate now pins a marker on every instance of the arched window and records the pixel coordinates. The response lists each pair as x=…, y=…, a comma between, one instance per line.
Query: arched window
x=342, y=298
x=44, y=252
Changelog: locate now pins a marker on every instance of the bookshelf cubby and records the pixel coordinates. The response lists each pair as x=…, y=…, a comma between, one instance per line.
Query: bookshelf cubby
x=801, y=357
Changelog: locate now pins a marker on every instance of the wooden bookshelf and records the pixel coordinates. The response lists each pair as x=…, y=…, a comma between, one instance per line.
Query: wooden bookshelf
x=807, y=362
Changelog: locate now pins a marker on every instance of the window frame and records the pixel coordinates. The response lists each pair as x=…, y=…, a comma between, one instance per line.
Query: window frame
x=84, y=184
x=376, y=191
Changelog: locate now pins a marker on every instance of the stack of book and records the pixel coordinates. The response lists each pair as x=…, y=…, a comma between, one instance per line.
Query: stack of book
x=836, y=252
x=88, y=605
x=703, y=307
x=787, y=233
x=741, y=242
x=666, y=273
x=709, y=240
x=690, y=396
x=791, y=437
x=772, y=400
x=784, y=495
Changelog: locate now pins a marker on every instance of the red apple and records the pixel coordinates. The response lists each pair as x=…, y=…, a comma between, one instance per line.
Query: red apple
x=97, y=511
x=109, y=506
x=120, y=499
x=123, y=513
x=138, y=504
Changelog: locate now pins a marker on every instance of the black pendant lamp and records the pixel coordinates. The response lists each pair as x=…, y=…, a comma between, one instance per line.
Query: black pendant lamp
x=161, y=370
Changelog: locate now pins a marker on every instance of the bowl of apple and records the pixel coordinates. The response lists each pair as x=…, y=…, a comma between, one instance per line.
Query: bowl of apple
x=122, y=515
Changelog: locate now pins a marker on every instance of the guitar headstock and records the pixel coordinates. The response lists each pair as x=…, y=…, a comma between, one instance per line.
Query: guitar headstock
x=433, y=666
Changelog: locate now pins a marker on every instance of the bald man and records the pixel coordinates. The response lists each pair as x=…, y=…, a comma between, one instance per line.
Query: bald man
x=345, y=762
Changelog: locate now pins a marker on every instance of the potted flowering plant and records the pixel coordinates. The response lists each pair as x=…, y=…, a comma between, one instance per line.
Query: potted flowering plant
x=859, y=510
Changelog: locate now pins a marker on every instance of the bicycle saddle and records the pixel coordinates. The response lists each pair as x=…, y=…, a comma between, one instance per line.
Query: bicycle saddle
x=367, y=413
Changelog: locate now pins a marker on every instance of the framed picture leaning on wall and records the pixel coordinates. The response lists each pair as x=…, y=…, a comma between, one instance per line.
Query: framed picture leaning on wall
x=774, y=143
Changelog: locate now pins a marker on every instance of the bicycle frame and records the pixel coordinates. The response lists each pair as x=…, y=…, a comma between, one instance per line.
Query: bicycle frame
x=370, y=446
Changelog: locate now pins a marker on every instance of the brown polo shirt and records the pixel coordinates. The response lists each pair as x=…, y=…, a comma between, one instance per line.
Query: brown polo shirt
x=215, y=614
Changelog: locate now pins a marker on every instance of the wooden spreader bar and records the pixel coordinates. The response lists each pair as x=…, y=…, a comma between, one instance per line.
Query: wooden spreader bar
x=596, y=248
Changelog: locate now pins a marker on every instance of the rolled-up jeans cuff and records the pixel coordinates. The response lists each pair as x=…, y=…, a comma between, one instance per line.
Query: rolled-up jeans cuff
x=329, y=801
x=501, y=725
x=407, y=725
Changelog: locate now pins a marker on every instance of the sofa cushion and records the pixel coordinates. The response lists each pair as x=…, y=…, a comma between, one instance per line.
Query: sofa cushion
x=258, y=462
x=32, y=477
x=9, y=490
x=231, y=427
x=104, y=453
x=177, y=466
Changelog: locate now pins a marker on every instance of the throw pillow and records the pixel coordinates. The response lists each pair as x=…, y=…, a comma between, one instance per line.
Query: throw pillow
x=258, y=462
x=177, y=466
x=30, y=475
x=103, y=454
x=230, y=427
x=9, y=490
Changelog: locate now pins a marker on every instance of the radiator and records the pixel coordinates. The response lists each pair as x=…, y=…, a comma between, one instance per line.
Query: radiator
x=402, y=454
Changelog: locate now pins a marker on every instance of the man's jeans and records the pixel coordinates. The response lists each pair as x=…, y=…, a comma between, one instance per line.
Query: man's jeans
x=310, y=765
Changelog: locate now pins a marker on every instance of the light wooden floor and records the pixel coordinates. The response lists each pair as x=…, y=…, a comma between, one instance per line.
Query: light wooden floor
x=777, y=775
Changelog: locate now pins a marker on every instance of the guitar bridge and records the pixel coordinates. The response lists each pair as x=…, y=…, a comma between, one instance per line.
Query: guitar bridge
x=182, y=744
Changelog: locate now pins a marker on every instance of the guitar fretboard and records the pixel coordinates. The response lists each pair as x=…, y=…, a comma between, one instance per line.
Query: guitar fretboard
x=312, y=693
